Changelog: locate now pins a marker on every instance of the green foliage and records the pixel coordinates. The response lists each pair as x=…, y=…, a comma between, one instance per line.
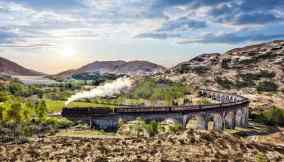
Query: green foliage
x=145, y=129
x=267, y=74
x=203, y=101
x=58, y=95
x=4, y=96
x=19, y=89
x=13, y=113
x=244, y=83
x=273, y=116
x=225, y=63
x=258, y=58
x=27, y=117
x=95, y=78
x=257, y=76
x=225, y=83
x=260, y=157
x=41, y=109
x=267, y=86
x=54, y=106
x=2, y=110
x=159, y=90
x=183, y=68
x=152, y=128
x=145, y=89
x=174, y=128
x=57, y=122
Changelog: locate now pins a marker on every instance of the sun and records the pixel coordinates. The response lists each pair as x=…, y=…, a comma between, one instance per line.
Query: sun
x=68, y=51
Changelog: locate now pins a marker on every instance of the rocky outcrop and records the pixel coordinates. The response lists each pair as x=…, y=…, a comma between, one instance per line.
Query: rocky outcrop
x=183, y=146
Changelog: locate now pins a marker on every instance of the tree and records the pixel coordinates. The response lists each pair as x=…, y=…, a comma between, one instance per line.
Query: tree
x=3, y=96
x=267, y=86
x=41, y=109
x=13, y=113
x=2, y=110
x=27, y=112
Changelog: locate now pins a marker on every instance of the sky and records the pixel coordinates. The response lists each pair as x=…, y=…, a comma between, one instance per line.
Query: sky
x=55, y=35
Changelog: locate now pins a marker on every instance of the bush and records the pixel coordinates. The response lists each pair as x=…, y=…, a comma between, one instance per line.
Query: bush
x=174, y=128
x=267, y=86
x=225, y=83
x=159, y=90
x=257, y=76
x=225, y=63
x=244, y=84
x=274, y=116
x=203, y=101
x=267, y=74
x=183, y=68
x=57, y=122
x=4, y=96
x=145, y=129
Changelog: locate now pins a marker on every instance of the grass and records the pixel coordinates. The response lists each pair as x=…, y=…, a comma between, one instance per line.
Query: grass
x=57, y=106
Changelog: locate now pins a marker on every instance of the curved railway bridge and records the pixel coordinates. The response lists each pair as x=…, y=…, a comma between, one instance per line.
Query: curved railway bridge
x=230, y=112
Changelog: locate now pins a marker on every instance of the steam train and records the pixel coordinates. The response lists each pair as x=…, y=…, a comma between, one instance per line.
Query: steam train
x=101, y=111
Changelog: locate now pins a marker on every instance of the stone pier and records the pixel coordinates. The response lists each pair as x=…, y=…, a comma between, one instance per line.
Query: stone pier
x=230, y=120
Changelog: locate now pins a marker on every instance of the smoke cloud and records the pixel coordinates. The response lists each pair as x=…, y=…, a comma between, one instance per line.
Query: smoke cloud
x=106, y=90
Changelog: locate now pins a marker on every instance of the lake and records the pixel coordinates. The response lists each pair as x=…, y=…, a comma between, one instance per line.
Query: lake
x=39, y=80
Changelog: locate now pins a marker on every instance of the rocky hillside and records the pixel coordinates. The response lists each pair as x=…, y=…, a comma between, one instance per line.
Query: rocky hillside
x=115, y=67
x=11, y=68
x=185, y=146
x=256, y=69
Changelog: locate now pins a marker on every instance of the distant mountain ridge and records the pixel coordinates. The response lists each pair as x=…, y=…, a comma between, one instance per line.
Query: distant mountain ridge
x=8, y=67
x=131, y=68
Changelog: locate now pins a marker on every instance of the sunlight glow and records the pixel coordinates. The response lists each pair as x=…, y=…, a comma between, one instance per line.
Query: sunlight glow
x=68, y=51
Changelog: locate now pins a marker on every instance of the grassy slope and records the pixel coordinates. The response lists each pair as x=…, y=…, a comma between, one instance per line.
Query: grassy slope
x=57, y=106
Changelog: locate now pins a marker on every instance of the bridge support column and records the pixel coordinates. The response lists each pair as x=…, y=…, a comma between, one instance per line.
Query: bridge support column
x=185, y=120
x=219, y=121
x=202, y=121
x=242, y=117
x=245, y=115
x=239, y=118
x=230, y=120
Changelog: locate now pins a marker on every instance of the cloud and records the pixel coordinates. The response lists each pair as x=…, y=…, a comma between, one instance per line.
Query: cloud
x=247, y=12
x=6, y=36
x=50, y=4
x=257, y=18
x=232, y=38
x=48, y=21
x=193, y=3
x=182, y=24
x=156, y=35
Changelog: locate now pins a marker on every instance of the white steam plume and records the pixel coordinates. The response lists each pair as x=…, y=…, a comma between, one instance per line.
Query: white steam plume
x=108, y=89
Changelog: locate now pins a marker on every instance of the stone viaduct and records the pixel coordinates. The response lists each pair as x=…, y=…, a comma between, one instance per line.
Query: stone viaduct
x=230, y=112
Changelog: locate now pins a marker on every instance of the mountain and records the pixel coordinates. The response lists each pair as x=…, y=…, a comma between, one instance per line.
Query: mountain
x=131, y=68
x=256, y=69
x=11, y=68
